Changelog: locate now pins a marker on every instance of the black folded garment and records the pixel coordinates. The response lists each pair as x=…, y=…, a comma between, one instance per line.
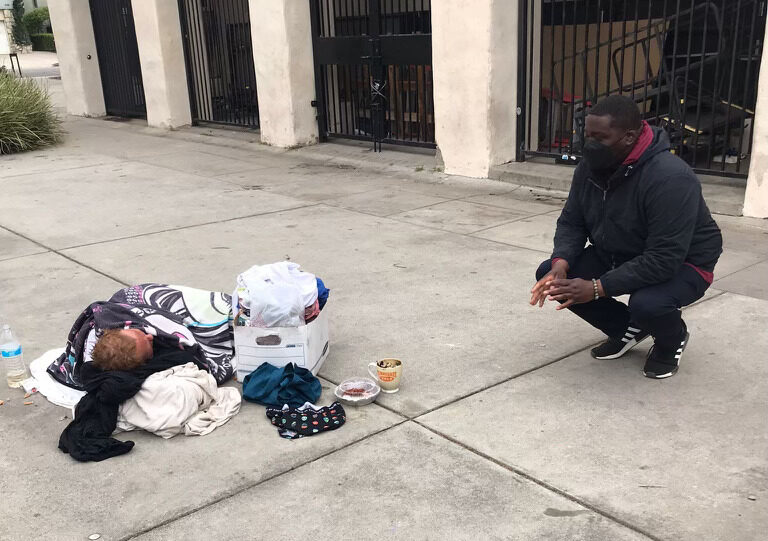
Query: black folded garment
x=308, y=420
x=89, y=436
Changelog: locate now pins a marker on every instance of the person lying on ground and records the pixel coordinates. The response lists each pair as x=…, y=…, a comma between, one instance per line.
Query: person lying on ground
x=145, y=320
x=650, y=235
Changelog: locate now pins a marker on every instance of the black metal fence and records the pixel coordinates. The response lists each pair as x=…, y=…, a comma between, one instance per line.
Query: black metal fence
x=118, y=55
x=690, y=65
x=373, y=68
x=219, y=57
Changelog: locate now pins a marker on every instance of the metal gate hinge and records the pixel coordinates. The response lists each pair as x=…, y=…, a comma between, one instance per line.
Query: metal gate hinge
x=313, y=103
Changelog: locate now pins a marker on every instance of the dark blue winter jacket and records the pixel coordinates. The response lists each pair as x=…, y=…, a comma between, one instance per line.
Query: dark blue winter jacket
x=645, y=221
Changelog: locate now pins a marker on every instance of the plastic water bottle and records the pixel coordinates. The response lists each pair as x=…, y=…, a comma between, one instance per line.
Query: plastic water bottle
x=12, y=359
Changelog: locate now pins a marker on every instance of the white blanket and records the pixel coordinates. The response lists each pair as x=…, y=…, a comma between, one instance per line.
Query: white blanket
x=180, y=399
x=42, y=382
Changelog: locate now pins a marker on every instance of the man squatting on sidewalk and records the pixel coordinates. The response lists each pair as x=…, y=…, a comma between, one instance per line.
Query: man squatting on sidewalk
x=650, y=235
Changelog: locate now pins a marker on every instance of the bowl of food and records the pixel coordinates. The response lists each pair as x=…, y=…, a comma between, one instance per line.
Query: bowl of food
x=357, y=391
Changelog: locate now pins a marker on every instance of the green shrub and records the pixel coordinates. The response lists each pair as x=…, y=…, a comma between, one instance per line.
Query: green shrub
x=20, y=34
x=42, y=42
x=27, y=119
x=36, y=21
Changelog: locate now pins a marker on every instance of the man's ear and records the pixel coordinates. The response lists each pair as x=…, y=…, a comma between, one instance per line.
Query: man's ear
x=631, y=137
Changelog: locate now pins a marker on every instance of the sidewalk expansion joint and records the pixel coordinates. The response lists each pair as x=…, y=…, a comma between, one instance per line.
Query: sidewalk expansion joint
x=447, y=231
x=248, y=486
x=503, y=381
x=12, y=258
x=68, y=258
x=444, y=200
x=739, y=270
x=38, y=173
x=545, y=485
x=258, y=147
x=518, y=219
x=142, y=160
x=182, y=227
x=719, y=293
x=530, y=370
x=382, y=406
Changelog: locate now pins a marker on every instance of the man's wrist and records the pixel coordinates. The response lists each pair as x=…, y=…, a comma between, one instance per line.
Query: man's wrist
x=559, y=261
x=600, y=290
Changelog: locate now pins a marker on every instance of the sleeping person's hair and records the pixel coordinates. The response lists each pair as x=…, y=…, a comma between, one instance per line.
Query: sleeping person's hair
x=116, y=351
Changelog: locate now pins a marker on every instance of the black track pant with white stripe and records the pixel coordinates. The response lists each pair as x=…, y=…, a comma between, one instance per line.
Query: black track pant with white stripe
x=655, y=309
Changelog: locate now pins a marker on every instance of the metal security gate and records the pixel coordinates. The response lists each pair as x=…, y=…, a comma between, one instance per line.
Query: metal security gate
x=690, y=65
x=219, y=57
x=373, y=69
x=118, y=57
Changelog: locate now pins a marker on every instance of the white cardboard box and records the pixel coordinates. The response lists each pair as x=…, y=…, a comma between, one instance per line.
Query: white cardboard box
x=306, y=346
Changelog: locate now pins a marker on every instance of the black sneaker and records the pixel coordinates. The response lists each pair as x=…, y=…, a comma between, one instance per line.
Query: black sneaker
x=662, y=363
x=613, y=348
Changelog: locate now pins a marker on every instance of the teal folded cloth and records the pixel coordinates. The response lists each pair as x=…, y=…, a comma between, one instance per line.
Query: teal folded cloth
x=276, y=386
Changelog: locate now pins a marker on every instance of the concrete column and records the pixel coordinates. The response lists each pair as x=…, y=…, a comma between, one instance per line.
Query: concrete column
x=78, y=61
x=285, y=74
x=534, y=69
x=475, y=83
x=756, y=198
x=163, y=71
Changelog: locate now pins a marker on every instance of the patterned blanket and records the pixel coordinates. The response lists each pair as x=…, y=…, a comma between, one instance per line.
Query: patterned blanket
x=176, y=315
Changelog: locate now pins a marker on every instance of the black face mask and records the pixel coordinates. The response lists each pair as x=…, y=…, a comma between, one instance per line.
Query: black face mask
x=599, y=157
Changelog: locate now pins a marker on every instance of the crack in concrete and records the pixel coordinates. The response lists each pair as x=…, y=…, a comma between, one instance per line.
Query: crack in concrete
x=142, y=160
x=38, y=173
x=239, y=490
x=290, y=209
x=519, y=219
x=512, y=377
x=433, y=228
x=737, y=271
x=505, y=380
x=150, y=233
x=512, y=469
x=68, y=258
x=477, y=391
x=404, y=418
x=12, y=258
x=415, y=420
x=544, y=484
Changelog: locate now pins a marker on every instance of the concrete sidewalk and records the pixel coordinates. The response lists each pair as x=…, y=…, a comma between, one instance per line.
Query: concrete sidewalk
x=505, y=427
x=35, y=64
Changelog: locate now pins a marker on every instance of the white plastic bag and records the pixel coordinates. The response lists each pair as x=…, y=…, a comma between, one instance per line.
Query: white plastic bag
x=276, y=294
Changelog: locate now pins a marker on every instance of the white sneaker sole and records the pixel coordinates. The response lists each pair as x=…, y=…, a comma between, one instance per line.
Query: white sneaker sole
x=629, y=345
x=660, y=376
x=678, y=357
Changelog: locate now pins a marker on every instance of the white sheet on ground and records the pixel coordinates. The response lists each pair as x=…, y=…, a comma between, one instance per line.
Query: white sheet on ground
x=180, y=399
x=55, y=392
